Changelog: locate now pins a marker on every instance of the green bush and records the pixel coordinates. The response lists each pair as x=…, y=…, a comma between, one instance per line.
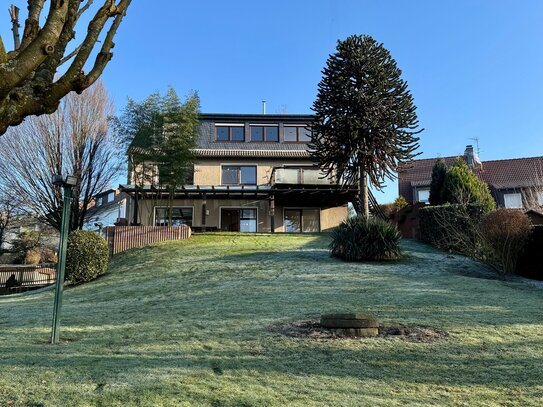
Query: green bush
x=505, y=233
x=452, y=227
x=461, y=186
x=87, y=256
x=358, y=239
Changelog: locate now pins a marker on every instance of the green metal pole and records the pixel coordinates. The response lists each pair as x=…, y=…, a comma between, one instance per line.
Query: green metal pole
x=61, y=266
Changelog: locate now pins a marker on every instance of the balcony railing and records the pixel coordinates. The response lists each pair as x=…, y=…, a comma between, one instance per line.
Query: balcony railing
x=300, y=176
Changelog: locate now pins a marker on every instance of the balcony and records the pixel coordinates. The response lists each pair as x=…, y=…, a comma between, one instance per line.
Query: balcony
x=300, y=176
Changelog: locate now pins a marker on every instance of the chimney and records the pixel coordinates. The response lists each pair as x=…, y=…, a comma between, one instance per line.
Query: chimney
x=471, y=157
x=263, y=107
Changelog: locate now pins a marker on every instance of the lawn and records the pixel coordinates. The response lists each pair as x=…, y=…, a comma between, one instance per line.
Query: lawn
x=194, y=323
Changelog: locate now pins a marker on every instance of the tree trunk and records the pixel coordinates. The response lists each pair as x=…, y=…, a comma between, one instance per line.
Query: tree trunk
x=363, y=203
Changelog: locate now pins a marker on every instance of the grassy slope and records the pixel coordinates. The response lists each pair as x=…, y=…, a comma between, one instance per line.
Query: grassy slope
x=187, y=323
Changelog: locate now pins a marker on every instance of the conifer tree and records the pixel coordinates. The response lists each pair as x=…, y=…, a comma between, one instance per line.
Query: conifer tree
x=366, y=121
x=439, y=171
x=461, y=186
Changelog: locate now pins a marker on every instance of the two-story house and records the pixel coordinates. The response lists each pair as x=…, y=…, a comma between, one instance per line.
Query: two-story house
x=253, y=173
x=514, y=183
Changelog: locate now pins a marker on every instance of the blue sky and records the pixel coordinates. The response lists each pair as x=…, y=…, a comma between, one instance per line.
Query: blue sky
x=475, y=68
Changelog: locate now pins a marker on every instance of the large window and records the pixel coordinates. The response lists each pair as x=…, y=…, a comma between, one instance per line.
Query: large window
x=302, y=220
x=265, y=133
x=179, y=216
x=297, y=134
x=229, y=133
x=238, y=220
x=513, y=200
x=239, y=175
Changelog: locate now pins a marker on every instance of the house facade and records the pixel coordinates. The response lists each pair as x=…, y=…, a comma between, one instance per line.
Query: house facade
x=253, y=173
x=107, y=209
x=513, y=183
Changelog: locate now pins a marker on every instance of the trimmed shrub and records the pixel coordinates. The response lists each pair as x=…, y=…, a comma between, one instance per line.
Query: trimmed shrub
x=452, y=227
x=358, y=239
x=87, y=256
x=33, y=256
x=461, y=186
x=505, y=232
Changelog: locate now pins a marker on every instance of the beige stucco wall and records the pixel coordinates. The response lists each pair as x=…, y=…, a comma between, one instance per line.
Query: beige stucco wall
x=208, y=172
x=329, y=217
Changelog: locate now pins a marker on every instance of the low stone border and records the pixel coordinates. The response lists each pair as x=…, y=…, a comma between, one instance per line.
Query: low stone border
x=312, y=329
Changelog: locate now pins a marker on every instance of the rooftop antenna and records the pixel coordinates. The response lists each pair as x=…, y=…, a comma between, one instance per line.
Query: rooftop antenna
x=476, y=139
x=263, y=107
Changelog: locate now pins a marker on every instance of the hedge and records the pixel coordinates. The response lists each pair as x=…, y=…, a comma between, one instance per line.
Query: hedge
x=451, y=227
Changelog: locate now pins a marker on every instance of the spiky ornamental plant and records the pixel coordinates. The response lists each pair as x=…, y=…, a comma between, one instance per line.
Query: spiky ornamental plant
x=366, y=121
x=439, y=171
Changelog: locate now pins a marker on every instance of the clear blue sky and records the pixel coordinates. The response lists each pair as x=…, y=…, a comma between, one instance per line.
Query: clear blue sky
x=475, y=68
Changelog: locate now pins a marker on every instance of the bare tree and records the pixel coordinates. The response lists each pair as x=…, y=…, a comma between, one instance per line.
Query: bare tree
x=74, y=140
x=9, y=211
x=28, y=81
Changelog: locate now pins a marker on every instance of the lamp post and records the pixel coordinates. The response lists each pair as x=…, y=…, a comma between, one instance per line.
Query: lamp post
x=67, y=184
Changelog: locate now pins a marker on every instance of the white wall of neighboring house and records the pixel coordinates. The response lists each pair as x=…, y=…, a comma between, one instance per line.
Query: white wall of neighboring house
x=107, y=217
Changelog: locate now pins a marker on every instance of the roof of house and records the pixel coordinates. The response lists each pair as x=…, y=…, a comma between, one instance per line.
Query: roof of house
x=499, y=174
x=207, y=146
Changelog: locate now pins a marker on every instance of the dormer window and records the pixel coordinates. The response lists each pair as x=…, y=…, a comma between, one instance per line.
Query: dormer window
x=265, y=133
x=297, y=134
x=229, y=132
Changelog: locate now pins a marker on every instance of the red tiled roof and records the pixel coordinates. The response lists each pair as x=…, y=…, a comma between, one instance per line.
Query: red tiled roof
x=498, y=174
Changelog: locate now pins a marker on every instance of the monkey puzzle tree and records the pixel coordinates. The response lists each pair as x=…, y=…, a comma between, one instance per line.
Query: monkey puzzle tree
x=30, y=83
x=366, y=121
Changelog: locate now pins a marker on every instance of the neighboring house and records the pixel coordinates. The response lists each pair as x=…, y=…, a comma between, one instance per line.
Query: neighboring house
x=514, y=183
x=108, y=207
x=253, y=173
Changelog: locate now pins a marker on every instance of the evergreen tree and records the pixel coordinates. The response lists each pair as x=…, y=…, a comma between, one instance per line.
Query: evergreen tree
x=366, y=121
x=160, y=134
x=439, y=171
x=461, y=186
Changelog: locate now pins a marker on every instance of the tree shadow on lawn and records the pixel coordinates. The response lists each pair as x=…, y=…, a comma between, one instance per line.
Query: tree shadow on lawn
x=448, y=363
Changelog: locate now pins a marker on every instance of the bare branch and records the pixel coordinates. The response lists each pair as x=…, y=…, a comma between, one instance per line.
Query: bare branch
x=27, y=75
x=32, y=25
x=70, y=55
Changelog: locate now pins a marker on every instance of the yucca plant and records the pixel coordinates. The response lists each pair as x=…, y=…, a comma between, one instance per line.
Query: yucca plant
x=360, y=238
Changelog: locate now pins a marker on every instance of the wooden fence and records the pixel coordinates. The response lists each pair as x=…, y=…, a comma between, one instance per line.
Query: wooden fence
x=122, y=238
x=23, y=277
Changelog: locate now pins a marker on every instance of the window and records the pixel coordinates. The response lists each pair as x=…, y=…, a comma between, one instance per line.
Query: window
x=239, y=175
x=247, y=220
x=297, y=134
x=512, y=200
x=302, y=220
x=229, y=133
x=265, y=133
x=540, y=198
x=111, y=197
x=238, y=219
x=99, y=201
x=179, y=216
x=423, y=196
